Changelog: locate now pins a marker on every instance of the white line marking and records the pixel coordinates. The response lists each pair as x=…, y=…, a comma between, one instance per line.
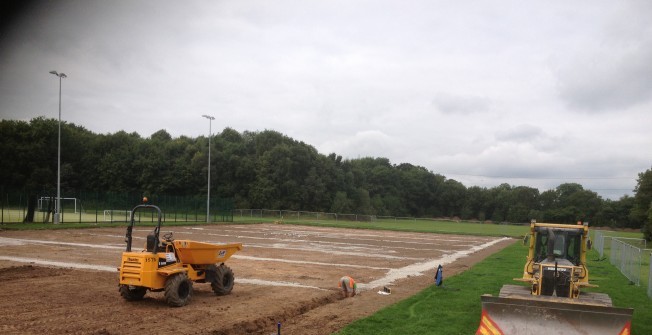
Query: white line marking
x=418, y=269
x=15, y=241
x=67, y=265
x=20, y=241
x=415, y=269
x=307, y=262
x=60, y=264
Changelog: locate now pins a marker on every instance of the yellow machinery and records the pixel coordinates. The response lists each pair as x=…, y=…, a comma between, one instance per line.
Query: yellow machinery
x=173, y=265
x=552, y=302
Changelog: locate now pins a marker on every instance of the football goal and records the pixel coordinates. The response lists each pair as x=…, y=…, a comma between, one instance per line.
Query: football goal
x=44, y=203
x=111, y=215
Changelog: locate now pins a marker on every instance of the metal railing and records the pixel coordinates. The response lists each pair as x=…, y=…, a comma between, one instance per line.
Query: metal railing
x=598, y=242
x=287, y=214
x=649, y=279
x=627, y=258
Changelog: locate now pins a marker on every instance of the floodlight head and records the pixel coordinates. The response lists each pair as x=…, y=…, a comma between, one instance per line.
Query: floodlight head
x=60, y=75
x=208, y=117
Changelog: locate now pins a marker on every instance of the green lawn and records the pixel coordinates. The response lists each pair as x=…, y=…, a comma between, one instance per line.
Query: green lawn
x=454, y=307
x=411, y=225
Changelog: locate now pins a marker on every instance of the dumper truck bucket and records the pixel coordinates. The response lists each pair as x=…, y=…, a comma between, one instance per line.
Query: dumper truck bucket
x=193, y=252
x=506, y=316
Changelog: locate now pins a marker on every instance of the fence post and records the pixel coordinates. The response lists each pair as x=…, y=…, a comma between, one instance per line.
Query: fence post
x=649, y=279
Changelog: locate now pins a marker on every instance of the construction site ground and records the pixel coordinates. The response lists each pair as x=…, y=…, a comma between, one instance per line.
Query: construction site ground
x=66, y=282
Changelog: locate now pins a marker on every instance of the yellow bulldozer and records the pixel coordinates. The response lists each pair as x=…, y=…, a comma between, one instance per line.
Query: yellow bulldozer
x=552, y=301
x=173, y=266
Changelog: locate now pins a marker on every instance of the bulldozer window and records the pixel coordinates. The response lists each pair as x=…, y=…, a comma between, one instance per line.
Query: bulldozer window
x=567, y=245
x=574, y=248
x=541, y=246
x=560, y=242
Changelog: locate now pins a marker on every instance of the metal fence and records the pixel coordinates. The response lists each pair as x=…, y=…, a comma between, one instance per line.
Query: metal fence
x=291, y=215
x=629, y=255
x=94, y=207
x=649, y=279
x=598, y=242
x=627, y=258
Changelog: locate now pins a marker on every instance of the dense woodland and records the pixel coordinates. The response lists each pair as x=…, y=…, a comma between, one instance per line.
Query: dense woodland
x=267, y=169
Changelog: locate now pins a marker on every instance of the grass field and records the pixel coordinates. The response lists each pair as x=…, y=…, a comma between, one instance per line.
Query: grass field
x=100, y=216
x=454, y=307
x=412, y=225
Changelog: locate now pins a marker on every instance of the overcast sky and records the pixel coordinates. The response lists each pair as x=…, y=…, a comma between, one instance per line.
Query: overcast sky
x=534, y=93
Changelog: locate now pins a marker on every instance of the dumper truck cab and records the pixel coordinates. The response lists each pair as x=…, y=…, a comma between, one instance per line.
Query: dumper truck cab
x=171, y=265
x=552, y=300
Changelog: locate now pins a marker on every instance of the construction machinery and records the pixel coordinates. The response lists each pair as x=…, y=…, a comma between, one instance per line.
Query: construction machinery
x=552, y=302
x=173, y=266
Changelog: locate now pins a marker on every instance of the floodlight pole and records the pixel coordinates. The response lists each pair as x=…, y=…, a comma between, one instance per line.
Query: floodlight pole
x=57, y=212
x=208, y=196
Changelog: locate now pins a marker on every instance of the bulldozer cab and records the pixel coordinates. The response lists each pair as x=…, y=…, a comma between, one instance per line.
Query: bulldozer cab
x=551, y=302
x=558, y=245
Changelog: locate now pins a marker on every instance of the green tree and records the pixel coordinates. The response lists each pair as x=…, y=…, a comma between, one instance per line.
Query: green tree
x=341, y=203
x=616, y=213
x=647, y=229
x=642, y=198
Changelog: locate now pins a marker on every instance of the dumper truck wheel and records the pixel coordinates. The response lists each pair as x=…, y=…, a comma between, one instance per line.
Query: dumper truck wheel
x=178, y=290
x=221, y=278
x=132, y=293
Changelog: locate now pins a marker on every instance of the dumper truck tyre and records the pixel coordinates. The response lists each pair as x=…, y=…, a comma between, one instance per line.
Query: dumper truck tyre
x=221, y=278
x=178, y=290
x=132, y=293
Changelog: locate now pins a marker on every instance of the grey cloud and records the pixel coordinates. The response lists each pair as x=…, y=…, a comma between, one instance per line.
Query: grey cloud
x=460, y=104
x=611, y=68
x=521, y=133
x=609, y=81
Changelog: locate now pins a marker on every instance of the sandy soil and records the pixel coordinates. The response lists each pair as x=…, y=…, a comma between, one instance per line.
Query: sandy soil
x=65, y=282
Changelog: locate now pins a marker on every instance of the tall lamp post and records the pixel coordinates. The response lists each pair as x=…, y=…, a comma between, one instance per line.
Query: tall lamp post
x=57, y=212
x=208, y=197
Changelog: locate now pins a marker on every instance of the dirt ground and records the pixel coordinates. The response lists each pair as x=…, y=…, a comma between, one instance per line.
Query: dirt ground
x=65, y=281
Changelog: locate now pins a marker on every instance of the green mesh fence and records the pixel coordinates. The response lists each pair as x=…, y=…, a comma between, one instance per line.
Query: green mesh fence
x=95, y=207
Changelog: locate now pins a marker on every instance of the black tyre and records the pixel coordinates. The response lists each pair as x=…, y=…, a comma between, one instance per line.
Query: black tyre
x=221, y=278
x=178, y=290
x=132, y=293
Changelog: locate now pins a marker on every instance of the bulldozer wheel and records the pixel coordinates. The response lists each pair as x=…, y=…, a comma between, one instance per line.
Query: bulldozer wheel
x=132, y=293
x=178, y=290
x=221, y=278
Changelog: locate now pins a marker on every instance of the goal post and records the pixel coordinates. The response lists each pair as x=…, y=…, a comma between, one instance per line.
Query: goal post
x=44, y=203
x=111, y=215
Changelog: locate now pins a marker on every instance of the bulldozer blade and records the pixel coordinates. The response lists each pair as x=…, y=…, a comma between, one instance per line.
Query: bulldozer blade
x=507, y=316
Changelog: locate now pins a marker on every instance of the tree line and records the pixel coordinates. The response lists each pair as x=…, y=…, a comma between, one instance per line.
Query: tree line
x=266, y=169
